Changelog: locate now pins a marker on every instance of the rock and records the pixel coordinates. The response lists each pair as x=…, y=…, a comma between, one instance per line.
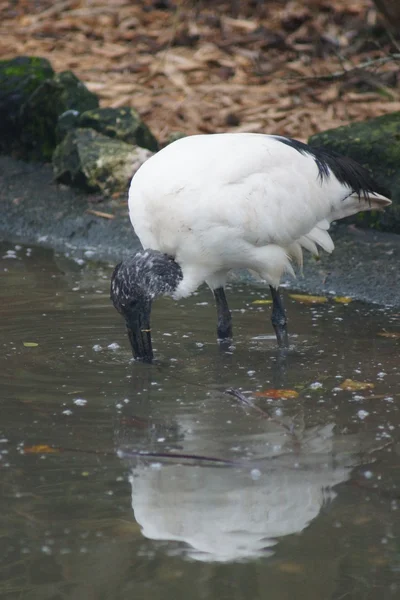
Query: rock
x=19, y=79
x=122, y=123
x=376, y=145
x=41, y=111
x=66, y=122
x=93, y=161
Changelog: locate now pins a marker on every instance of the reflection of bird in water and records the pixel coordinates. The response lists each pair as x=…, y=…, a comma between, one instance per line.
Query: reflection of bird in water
x=207, y=204
x=228, y=514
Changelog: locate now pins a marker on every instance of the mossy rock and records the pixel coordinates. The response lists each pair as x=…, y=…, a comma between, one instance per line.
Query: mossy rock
x=40, y=113
x=376, y=145
x=95, y=162
x=19, y=79
x=122, y=123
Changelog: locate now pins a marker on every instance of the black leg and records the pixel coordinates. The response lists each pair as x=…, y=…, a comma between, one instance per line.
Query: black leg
x=278, y=318
x=224, y=327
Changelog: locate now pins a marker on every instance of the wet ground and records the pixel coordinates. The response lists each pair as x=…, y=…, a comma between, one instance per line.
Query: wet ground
x=289, y=488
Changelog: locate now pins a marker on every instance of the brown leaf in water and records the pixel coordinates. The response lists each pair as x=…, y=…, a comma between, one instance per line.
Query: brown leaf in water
x=305, y=299
x=276, y=394
x=40, y=449
x=351, y=385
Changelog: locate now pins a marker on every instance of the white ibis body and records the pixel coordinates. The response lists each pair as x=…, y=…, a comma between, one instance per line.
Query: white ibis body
x=207, y=204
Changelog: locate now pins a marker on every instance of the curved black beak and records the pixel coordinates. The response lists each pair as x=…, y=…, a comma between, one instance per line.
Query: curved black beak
x=138, y=327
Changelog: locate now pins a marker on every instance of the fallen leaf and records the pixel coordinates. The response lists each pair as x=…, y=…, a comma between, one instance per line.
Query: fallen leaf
x=99, y=213
x=262, y=301
x=343, y=299
x=350, y=384
x=309, y=299
x=40, y=449
x=390, y=334
x=30, y=344
x=288, y=394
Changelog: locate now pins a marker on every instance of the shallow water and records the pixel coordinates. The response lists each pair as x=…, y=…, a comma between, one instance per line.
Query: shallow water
x=290, y=497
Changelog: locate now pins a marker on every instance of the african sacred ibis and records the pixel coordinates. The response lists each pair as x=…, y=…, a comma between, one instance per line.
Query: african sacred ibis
x=207, y=204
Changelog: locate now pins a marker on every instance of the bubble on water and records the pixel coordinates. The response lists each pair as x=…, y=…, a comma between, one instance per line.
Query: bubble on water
x=362, y=414
x=46, y=550
x=368, y=474
x=199, y=345
x=251, y=373
x=161, y=439
x=255, y=474
x=279, y=412
x=89, y=253
x=97, y=348
x=80, y=401
x=316, y=385
x=67, y=412
x=381, y=375
x=114, y=346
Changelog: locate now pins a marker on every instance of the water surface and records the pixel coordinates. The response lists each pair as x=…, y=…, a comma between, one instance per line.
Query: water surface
x=293, y=497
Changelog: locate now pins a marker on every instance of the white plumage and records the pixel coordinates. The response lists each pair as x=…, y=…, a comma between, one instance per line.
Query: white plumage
x=217, y=202
x=207, y=204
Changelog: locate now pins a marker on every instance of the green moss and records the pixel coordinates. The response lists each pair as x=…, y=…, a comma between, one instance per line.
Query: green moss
x=19, y=79
x=124, y=124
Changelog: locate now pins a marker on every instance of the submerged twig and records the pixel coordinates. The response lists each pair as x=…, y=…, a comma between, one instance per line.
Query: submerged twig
x=180, y=456
x=266, y=415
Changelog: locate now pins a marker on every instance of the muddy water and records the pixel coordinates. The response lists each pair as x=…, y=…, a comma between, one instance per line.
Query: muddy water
x=290, y=497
